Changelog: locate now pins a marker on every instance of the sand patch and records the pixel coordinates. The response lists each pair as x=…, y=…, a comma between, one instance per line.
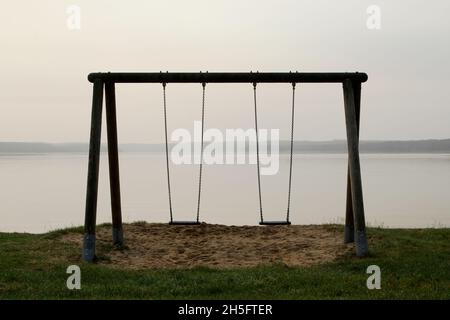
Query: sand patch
x=165, y=246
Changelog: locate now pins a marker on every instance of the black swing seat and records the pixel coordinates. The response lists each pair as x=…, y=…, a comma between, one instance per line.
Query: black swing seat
x=274, y=223
x=184, y=223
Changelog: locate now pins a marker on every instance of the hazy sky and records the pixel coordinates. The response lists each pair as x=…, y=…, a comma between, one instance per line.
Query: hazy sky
x=45, y=96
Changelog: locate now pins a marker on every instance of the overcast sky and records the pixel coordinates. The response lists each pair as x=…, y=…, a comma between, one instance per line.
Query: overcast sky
x=45, y=96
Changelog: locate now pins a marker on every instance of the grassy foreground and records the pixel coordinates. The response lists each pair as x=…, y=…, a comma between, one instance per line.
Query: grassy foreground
x=415, y=264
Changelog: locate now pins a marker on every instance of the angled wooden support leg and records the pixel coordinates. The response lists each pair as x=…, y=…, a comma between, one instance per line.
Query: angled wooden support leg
x=93, y=166
x=113, y=157
x=355, y=170
x=349, y=229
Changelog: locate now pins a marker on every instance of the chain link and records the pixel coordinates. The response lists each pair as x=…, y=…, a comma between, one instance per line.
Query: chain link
x=167, y=151
x=257, y=155
x=201, y=153
x=291, y=154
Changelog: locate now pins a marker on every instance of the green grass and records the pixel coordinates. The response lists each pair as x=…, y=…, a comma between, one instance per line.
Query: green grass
x=415, y=264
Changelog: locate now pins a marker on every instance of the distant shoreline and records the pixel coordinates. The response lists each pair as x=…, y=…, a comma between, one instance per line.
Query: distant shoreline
x=300, y=147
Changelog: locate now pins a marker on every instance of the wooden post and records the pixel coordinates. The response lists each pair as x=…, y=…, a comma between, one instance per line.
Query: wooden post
x=355, y=169
x=113, y=156
x=349, y=229
x=93, y=166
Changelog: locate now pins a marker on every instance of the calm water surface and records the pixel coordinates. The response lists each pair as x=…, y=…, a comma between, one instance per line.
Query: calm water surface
x=44, y=192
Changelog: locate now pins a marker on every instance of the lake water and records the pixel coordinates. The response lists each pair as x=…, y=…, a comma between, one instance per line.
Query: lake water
x=45, y=192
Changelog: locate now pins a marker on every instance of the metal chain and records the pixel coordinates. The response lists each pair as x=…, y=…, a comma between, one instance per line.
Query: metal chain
x=167, y=151
x=292, y=151
x=257, y=154
x=201, y=154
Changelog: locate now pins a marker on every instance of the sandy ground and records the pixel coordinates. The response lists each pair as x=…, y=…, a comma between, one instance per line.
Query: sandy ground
x=165, y=246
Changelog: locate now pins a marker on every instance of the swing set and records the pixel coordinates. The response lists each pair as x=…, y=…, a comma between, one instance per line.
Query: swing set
x=354, y=230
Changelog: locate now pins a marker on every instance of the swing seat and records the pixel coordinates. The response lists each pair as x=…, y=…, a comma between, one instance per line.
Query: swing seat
x=184, y=223
x=274, y=223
